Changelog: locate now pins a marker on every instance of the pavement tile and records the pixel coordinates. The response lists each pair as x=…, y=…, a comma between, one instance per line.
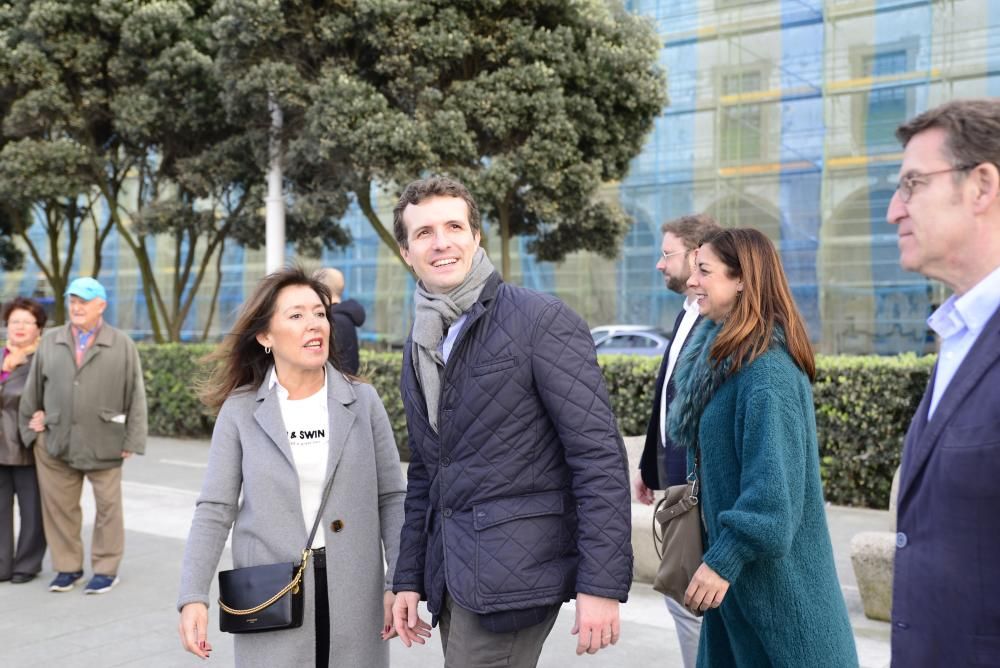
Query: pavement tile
x=135, y=625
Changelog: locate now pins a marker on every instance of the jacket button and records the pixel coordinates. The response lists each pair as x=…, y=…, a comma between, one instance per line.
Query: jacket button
x=902, y=626
x=445, y=461
x=447, y=512
x=901, y=540
x=336, y=526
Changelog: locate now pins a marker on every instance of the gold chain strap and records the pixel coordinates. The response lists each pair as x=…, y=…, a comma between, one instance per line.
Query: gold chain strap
x=292, y=586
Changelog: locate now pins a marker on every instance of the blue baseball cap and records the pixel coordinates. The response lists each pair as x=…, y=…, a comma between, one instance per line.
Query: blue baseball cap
x=86, y=288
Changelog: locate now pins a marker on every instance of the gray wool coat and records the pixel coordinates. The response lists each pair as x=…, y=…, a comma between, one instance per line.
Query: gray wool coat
x=250, y=454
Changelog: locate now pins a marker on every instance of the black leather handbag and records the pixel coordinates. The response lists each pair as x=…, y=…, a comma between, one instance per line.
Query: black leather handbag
x=268, y=597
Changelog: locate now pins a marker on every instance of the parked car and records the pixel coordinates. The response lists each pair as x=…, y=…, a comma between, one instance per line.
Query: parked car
x=637, y=340
x=604, y=331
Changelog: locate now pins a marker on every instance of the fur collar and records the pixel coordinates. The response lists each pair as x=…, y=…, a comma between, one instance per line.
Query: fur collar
x=697, y=379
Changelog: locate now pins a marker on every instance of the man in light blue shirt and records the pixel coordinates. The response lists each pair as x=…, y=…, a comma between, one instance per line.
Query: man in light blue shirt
x=946, y=588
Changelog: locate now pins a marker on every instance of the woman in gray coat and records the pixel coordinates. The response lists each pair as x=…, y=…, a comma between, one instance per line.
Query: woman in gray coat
x=288, y=419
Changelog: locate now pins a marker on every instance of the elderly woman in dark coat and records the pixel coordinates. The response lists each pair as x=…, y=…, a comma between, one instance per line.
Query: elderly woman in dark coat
x=19, y=563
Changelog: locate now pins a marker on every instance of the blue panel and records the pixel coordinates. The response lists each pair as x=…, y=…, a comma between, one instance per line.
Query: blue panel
x=111, y=251
x=140, y=314
x=802, y=134
x=993, y=50
x=359, y=263
x=534, y=274
x=659, y=184
x=902, y=44
x=231, y=291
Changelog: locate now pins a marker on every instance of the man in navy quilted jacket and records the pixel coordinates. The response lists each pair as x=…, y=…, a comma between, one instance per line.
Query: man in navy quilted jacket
x=518, y=496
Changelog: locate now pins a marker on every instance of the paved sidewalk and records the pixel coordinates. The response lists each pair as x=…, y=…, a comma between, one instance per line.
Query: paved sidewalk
x=135, y=624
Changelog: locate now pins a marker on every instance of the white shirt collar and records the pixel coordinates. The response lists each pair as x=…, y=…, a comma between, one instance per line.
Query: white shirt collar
x=971, y=311
x=282, y=392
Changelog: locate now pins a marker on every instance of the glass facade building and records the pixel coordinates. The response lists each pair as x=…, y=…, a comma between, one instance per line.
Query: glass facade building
x=781, y=117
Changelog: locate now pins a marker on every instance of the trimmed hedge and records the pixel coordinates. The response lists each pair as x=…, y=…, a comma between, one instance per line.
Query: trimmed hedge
x=170, y=371
x=863, y=407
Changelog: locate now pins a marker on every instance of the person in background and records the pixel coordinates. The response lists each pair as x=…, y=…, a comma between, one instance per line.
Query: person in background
x=289, y=418
x=85, y=393
x=662, y=463
x=744, y=410
x=346, y=315
x=20, y=560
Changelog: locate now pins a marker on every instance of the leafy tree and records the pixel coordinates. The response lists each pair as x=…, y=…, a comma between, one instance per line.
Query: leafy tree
x=193, y=185
x=535, y=103
x=112, y=118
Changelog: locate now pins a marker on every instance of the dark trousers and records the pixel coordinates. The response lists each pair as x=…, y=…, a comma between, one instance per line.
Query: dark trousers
x=467, y=644
x=322, y=610
x=20, y=481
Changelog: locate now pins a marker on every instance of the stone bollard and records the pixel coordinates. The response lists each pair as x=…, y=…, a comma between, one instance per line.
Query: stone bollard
x=872, y=553
x=646, y=561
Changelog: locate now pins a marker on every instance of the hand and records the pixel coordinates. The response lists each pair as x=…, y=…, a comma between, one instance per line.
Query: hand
x=193, y=629
x=388, y=628
x=707, y=589
x=408, y=624
x=37, y=421
x=126, y=454
x=596, y=623
x=14, y=358
x=643, y=494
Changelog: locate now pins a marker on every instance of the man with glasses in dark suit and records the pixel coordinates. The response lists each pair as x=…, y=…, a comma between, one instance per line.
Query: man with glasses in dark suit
x=946, y=588
x=662, y=464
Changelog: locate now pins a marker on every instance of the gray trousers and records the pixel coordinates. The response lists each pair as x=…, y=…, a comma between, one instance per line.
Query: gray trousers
x=20, y=481
x=467, y=644
x=688, y=631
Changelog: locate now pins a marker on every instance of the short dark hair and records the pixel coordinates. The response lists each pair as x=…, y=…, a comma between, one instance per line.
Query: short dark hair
x=972, y=128
x=435, y=186
x=691, y=229
x=29, y=305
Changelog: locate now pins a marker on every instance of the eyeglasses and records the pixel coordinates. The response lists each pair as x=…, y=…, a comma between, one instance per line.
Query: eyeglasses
x=22, y=323
x=667, y=255
x=908, y=183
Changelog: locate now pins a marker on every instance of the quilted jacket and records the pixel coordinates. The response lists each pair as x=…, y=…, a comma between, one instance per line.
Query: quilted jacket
x=522, y=500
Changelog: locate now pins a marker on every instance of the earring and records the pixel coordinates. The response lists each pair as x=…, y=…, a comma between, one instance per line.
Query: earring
x=267, y=350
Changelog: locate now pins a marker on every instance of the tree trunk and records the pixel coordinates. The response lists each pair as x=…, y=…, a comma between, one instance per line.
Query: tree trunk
x=215, y=292
x=504, y=215
x=387, y=237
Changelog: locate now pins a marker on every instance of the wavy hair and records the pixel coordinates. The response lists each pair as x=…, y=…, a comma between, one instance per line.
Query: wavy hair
x=240, y=361
x=765, y=302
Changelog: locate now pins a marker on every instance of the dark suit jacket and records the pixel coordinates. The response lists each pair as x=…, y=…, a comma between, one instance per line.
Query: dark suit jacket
x=675, y=462
x=346, y=317
x=946, y=589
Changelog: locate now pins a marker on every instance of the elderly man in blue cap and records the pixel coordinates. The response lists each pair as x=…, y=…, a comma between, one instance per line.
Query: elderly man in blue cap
x=84, y=407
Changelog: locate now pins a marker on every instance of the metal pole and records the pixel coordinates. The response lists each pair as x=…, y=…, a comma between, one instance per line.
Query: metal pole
x=275, y=202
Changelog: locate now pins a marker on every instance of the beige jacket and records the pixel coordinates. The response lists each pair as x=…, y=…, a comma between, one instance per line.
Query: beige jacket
x=92, y=413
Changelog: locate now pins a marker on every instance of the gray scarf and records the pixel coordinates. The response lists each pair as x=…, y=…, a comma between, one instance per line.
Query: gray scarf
x=435, y=313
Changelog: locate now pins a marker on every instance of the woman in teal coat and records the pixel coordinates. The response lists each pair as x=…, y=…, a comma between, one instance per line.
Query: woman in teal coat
x=744, y=410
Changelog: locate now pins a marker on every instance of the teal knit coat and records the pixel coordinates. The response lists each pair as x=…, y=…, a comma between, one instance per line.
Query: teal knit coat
x=762, y=507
